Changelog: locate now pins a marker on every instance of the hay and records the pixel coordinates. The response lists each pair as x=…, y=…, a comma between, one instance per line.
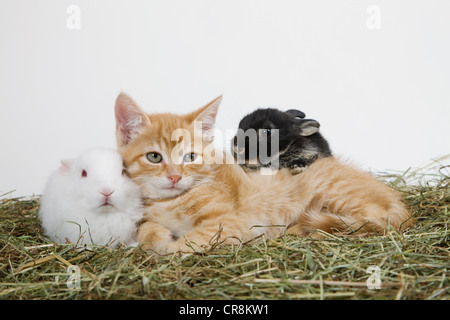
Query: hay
x=413, y=265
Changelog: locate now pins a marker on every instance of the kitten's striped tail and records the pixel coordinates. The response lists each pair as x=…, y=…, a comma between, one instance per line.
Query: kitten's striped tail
x=351, y=225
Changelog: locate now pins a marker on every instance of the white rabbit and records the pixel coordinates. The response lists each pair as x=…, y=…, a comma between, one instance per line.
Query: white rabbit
x=91, y=200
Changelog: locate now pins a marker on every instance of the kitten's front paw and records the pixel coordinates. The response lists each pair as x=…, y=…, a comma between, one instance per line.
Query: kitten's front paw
x=154, y=237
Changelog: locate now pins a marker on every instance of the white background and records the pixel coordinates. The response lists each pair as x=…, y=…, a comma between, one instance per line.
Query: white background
x=381, y=95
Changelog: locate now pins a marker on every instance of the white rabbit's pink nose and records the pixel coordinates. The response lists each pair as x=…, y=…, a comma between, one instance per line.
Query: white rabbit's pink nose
x=107, y=192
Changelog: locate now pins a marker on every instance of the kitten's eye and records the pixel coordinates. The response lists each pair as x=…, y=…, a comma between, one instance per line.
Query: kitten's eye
x=83, y=174
x=190, y=157
x=124, y=172
x=154, y=157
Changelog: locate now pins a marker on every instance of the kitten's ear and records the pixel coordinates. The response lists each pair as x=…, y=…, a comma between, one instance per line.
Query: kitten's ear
x=308, y=127
x=207, y=114
x=66, y=164
x=130, y=119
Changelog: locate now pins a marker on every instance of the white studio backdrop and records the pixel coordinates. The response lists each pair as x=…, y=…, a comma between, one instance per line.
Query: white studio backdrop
x=375, y=74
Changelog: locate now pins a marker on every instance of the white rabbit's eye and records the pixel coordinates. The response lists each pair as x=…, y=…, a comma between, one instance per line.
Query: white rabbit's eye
x=154, y=157
x=190, y=157
x=83, y=174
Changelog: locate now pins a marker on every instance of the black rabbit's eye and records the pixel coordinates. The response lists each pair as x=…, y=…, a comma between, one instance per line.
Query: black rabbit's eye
x=83, y=174
x=267, y=132
x=154, y=157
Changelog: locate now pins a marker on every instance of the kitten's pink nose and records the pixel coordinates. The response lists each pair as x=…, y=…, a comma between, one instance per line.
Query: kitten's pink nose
x=107, y=192
x=174, y=178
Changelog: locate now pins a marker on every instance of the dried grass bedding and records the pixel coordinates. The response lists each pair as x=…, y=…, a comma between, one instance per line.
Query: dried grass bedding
x=412, y=265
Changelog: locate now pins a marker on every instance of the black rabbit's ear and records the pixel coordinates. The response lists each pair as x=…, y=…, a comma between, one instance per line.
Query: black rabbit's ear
x=296, y=113
x=308, y=127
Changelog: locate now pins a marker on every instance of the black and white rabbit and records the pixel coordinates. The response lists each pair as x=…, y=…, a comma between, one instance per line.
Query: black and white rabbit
x=299, y=141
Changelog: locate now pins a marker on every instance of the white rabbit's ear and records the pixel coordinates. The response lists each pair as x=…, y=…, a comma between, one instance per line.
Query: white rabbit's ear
x=130, y=119
x=308, y=127
x=66, y=164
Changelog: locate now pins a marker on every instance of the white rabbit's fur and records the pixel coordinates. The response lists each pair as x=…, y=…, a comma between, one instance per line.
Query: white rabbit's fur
x=73, y=207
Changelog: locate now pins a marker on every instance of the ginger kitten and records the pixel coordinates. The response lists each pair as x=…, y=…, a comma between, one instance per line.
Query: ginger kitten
x=194, y=200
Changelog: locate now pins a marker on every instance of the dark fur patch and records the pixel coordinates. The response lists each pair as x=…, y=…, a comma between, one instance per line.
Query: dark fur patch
x=295, y=149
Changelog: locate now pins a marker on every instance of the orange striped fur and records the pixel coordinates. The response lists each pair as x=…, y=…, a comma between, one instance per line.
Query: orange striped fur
x=215, y=203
